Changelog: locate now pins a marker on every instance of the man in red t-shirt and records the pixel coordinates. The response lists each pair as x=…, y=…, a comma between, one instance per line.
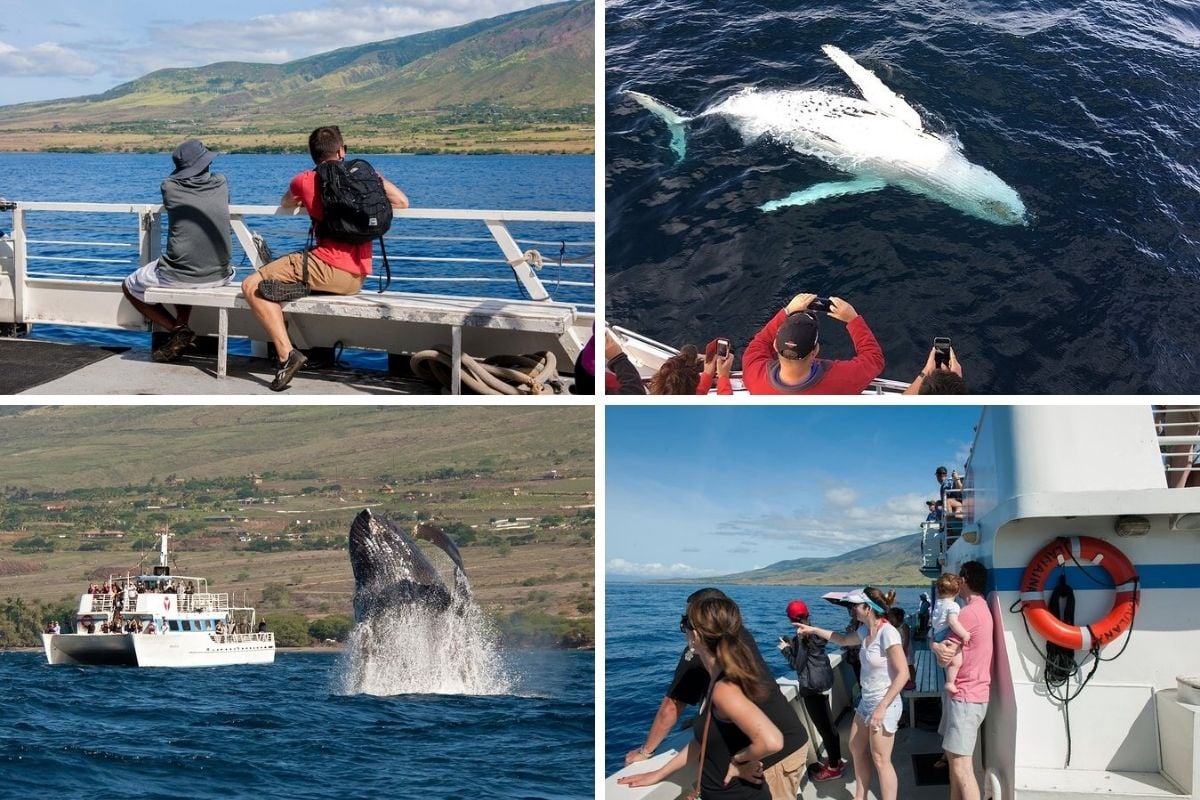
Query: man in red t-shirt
x=782, y=357
x=334, y=267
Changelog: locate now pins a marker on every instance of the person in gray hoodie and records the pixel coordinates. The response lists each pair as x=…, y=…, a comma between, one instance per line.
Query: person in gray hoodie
x=198, y=244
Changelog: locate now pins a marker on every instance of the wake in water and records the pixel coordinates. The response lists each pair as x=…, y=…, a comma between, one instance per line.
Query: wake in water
x=413, y=649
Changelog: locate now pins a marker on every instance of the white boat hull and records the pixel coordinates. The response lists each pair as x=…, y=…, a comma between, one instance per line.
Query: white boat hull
x=150, y=650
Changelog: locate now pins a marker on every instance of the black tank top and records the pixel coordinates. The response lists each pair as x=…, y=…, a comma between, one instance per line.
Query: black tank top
x=724, y=739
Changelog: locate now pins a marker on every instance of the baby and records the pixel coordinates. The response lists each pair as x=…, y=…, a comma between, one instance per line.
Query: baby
x=945, y=621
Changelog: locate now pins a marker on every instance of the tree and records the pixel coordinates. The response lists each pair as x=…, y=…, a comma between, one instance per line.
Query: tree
x=291, y=630
x=336, y=626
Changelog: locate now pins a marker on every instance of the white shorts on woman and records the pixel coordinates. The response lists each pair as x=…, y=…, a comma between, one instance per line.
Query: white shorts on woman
x=891, y=717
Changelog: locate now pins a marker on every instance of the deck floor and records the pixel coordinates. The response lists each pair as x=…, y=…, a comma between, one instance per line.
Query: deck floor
x=135, y=373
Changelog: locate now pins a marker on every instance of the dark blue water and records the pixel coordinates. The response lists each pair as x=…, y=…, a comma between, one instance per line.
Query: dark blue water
x=1090, y=111
x=538, y=183
x=280, y=732
x=643, y=643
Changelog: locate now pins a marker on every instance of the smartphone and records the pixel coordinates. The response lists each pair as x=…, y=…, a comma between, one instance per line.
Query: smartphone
x=819, y=304
x=941, y=351
x=722, y=348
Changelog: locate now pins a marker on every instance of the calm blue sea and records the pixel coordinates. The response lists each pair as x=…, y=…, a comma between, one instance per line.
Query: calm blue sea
x=643, y=643
x=527, y=182
x=1090, y=111
x=280, y=731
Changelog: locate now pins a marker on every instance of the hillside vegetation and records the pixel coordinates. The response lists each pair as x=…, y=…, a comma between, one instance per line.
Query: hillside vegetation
x=895, y=562
x=259, y=501
x=521, y=82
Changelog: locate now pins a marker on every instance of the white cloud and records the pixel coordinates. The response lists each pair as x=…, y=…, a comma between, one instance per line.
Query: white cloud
x=45, y=60
x=843, y=496
x=619, y=566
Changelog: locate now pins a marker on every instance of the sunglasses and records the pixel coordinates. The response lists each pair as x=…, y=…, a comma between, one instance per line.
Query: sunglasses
x=684, y=624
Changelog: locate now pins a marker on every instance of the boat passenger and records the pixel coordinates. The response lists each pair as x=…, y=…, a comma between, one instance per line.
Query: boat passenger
x=964, y=711
x=782, y=770
x=946, y=623
x=334, y=267
x=884, y=673
x=719, y=366
x=679, y=374
x=198, y=244
x=619, y=369
x=150, y=628
x=736, y=734
x=938, y=378
x=807, y=656
x=782, y=357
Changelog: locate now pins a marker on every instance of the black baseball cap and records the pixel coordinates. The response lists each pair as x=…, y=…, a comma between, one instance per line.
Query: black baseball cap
x=797, y=336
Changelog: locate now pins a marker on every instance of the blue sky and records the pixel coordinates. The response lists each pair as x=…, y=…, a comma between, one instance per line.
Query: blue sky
x=695, y=491
x=75, y=47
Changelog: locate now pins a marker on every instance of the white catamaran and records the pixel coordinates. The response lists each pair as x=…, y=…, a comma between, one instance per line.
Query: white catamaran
x=160, y=620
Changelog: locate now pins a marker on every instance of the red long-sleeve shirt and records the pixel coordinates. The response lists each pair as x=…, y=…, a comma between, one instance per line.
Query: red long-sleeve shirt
x=760, y=363
x=724, y=385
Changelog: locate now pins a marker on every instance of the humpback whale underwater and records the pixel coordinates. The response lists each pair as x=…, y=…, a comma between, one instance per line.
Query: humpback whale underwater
x=414, y=634
x=879, y=141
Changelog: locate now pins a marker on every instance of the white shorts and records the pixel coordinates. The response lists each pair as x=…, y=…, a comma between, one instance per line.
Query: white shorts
x=148, y=277
x=891, y=717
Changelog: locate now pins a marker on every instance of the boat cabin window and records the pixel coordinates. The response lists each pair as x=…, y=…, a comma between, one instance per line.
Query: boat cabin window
x=173, y=625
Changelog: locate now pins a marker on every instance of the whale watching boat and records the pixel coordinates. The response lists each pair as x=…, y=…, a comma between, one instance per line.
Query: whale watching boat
x=470, y=305
x=1096, y=495
x=160, y=620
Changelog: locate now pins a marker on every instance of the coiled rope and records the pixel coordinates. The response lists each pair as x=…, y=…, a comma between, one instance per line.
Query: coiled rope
x=533, y=374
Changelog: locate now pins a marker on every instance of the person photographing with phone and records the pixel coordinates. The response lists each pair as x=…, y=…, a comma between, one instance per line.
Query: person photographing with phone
x=942, y=374
x=783, y=356
x=718, y=361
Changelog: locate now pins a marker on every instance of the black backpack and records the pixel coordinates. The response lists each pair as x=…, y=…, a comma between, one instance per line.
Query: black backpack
x=357, y=209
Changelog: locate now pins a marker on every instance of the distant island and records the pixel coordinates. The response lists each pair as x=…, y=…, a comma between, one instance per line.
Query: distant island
x=895, y=562
x=517, y=83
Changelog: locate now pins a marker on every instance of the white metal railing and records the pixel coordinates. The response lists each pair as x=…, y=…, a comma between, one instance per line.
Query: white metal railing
x=520, y=258
x=234, y=638
x=195, y=603
x=1178, y=433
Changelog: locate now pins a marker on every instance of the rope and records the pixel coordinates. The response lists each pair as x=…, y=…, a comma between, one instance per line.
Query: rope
x=534, y=374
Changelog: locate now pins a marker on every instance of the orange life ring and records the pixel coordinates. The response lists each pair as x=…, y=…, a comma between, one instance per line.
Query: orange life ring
x=1083, y=549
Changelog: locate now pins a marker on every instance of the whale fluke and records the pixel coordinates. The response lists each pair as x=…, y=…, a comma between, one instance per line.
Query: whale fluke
x=672, y=116
x=873, y=90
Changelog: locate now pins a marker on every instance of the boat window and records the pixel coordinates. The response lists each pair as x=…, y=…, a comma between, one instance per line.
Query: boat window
x=174, y=625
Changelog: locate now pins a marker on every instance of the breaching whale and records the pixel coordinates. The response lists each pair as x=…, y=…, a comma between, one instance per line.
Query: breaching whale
x=880, y=141
x=390, y=569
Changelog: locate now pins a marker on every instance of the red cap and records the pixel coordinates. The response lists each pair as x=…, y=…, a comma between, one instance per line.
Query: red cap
x=797, y=609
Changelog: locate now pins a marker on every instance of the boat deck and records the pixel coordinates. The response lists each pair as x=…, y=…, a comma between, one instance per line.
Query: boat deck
x=133, y=372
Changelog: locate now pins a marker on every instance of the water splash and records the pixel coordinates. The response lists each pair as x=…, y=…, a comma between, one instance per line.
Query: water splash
x=412, y=649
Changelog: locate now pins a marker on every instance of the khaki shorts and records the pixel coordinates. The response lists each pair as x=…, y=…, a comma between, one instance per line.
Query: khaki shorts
x=321, y=276
x=960, y=725
x=783, y=778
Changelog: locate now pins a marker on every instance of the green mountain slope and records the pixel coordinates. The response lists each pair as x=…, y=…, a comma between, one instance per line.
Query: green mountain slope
x=508, y=73
x=895, y=562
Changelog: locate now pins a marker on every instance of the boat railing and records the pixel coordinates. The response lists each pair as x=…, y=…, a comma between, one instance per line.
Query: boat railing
x=933, y=548
x=1178, y=429
x=266, y=637
x=39, y=287
x=209, y=601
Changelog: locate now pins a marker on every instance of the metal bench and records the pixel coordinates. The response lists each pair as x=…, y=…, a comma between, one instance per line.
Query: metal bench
x=455, y=313
x=929, y=678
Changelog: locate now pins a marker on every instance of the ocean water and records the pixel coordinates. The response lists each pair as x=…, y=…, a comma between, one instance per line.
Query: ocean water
x=286, y=731
x=527, y=182
x=1089, y=111
x=643, y=643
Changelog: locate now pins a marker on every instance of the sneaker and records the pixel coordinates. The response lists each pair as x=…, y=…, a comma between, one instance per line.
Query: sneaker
x=287, y=369
x=829, y=772
x=175, y=344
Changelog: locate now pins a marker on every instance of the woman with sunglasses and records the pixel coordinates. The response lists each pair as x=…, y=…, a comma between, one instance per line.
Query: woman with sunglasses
x=732, y=729
x=884, y=673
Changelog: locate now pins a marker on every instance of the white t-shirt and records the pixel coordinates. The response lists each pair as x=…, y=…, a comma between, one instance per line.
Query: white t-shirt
x=877, y=674
x=942, y=610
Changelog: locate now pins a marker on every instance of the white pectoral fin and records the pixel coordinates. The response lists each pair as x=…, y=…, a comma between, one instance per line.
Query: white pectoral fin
x=672, y=116
x=873, y=90
x=823, y=191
